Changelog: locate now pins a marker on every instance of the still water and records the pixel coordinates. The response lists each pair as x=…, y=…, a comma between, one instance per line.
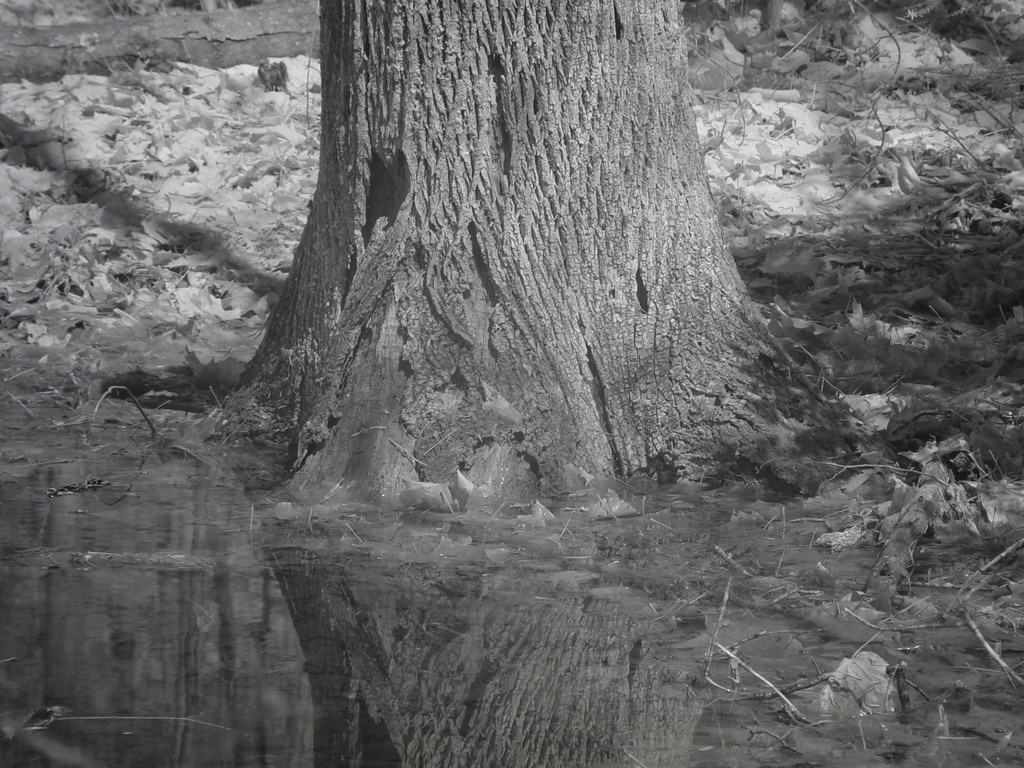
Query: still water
x=144, y=614
x=148, y=623
x=168, y=619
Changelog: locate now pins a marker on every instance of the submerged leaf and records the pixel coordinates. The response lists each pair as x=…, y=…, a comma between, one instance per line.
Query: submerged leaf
x=859, y=685
x=430, y=495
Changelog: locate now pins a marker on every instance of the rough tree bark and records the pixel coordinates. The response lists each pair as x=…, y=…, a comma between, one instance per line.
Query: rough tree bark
x=215, y=39
x=512, y=265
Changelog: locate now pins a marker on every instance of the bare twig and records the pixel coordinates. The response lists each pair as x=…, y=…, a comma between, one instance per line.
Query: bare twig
x=790, y=706
x=904, y=627
x=872, y=163
x=982, y=576
x=188, y=719
x=800, y=42
x=768, y=633
x=406, y=452
x=718, y=625
x=116, y=388
x=729, y=559
x=985, y=569
x=566, y=526
x=799, y=685
x=11, y=395
x=992, y=651
x=353, y=532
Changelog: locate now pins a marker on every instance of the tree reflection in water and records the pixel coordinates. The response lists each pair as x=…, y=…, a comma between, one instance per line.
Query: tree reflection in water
x=418, y=668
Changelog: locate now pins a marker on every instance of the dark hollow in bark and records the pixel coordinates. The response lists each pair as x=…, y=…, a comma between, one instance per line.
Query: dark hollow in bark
x=512, y=266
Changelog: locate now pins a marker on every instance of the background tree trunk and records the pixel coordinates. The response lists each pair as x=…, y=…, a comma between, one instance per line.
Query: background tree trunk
x=513, y=265
x=216, y=39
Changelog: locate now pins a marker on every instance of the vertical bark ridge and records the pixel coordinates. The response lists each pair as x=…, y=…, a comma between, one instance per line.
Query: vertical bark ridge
x=601, y=402
x=498, y=148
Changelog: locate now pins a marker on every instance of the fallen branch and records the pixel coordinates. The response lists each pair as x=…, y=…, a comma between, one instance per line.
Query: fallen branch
x=992, y=651
x=790, y=706
x=215, y=39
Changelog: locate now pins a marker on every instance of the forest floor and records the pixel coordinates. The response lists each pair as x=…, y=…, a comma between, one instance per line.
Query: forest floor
x=870, y=183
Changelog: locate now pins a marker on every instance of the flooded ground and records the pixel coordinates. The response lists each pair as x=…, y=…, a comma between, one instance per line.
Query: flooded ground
x=143, y=618
x=163, y=617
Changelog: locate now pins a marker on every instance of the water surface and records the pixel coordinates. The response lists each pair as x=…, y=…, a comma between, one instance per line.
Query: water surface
x=165, y=618
x=147, y=619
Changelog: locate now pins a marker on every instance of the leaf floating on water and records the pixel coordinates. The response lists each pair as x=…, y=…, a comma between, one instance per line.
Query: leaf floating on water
x=539, y=515
x=430, y=495
x=285, y=510
x=575, y=479
x=906, y=177
x=225, y=372
x=461, y=489
x=1003, y=502
x=497, y=555
x=611, y=506
x=859, y=685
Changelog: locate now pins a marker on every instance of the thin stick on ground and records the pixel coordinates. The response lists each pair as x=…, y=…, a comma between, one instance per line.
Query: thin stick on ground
x=799, y=685
x=793, y=709
x=187, y=719
x=902, y=627
x=10, y=395
x=111, y=390
x=732, y=563
x=979, y=574
x=992, y=651
x=718, y=625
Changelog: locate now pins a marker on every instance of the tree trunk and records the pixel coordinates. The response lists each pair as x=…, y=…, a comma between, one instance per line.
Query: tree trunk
x=216, y=39
x=512, y=265
x=772, y=18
